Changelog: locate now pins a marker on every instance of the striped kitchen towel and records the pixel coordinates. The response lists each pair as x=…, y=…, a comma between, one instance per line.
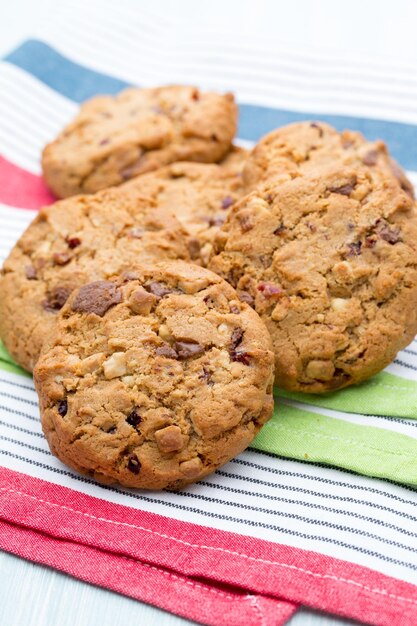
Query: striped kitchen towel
x=321, y=510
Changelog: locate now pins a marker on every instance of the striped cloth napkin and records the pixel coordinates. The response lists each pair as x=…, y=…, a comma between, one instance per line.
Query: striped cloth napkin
x=321, y=510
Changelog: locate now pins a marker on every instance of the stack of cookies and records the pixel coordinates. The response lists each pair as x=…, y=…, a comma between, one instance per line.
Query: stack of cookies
x=180, y=277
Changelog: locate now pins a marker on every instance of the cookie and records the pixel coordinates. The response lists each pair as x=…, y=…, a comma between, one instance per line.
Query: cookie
x=75, y=241
x=302, y=147
x=113, y=139
x=156, y=379
x=199, y=194
x=328, y=259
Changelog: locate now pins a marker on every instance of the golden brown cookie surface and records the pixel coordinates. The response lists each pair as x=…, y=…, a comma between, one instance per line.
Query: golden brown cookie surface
x=75, y=241
x=113, y=139
x=327, y=255
x=200, y=195
x=156, y=379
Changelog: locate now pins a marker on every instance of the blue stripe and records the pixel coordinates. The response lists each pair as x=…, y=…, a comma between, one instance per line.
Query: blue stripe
x=79, y=83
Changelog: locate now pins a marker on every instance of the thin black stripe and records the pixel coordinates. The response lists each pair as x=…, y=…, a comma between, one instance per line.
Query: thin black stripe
x=329, y=481
x=13, y=384
x=295, y=516
x=329, y=496
x=20, y=413
x=404, y=364
x=295, y=533
x=22, y=430
x=409, y=351
x=19, y=399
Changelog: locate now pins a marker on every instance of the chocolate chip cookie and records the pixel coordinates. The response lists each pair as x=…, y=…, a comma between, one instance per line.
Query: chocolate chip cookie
x=155, y=379
x=75, y=241
x=113, y=139
x=328, y=258
x=199, y=194
x=300, y=148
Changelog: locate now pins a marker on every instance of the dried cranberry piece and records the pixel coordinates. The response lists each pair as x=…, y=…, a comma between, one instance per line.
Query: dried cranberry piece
x=62, y=407
x=270, y=291
x=134, y=418
x=205, y=377
x=73, y=242
x=133, y=464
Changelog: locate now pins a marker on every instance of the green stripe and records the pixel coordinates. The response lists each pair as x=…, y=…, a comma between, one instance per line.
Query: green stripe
x=307, y=436
x=383, y=394
x=7, y=363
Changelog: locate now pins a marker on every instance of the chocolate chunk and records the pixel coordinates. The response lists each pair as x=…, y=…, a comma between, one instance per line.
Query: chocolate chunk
x=234, y=309
x=134, y=418
x=268, y=198
x=354, y=248
x=311, y=227
x=280, y=229
x=240, y=356
x=370, y=158
x=245, y=223
x=73, y=242
x=158, y=289
x=96, y=297
x=270, y=291
x=167, y=351
x=244, y=296
x=236, y=338
x=193, y=246
x=344, y=190
x=61, y=258
x=319, y=128
x=133, y=464
x=30, y=272
x=56, y=298
x=237, y=354
x=402, y=179
x=386, y=232
x=62, y=407
x=205, y=377
x=188, y=349
x=227, y=202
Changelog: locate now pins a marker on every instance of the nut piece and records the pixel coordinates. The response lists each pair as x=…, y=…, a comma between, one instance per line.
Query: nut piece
x=320, y=370
x=141, y=301
x=115, y=365
x=338, y=304
x=191, y=468
x=169, y=439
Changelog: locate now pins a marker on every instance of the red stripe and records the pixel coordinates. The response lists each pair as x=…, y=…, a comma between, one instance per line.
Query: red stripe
x=261, y=567
x=22, y=189
x=169, y=591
